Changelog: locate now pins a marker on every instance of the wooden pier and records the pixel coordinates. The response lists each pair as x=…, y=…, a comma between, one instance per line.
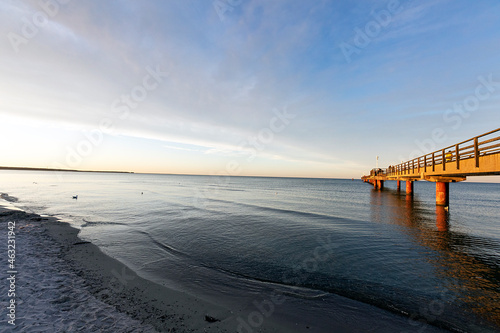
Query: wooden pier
x=479, y=156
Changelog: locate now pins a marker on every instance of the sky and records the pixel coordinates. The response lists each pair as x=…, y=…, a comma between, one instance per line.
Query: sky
x=244, y=87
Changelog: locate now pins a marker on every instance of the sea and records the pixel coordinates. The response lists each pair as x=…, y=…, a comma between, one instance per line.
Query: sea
x=308, y=238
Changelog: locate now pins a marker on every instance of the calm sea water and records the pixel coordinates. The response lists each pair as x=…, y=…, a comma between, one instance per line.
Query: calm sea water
x=307, y=237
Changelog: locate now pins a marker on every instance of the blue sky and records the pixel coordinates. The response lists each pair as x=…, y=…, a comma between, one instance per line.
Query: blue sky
x=244, y=87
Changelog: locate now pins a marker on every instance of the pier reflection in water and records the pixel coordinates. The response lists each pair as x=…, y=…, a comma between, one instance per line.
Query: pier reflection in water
x=442, y=218
x=466, y=267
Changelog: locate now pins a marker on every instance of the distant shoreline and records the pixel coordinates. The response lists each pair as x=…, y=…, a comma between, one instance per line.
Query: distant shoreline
x=168, y=174
x=474, y=179
x=58, y=170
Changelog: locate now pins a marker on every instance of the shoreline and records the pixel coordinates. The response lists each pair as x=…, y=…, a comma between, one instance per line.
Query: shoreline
x=44, y=293
x=59, y=170
x=113, y=283
x=149, y=305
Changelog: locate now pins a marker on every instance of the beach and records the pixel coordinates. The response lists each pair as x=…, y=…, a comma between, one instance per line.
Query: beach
x=66, y=284
x=49, y=294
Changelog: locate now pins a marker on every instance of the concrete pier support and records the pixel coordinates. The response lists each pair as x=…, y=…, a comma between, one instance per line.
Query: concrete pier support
x=442, y=194
x=378, y=184
x=399, y=185
x=409, y=187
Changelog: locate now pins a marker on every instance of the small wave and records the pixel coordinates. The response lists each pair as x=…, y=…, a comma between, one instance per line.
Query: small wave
x=93, y=223
x=226, y=188
x=168, y=248
x=290, y=290
x=286, y=211
x=305, y=293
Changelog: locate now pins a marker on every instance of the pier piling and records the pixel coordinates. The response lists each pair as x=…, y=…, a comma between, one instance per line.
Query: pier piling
x=409, y=187
x=442, y=194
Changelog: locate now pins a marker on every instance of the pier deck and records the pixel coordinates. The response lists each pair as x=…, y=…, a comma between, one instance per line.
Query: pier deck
x=479, y=156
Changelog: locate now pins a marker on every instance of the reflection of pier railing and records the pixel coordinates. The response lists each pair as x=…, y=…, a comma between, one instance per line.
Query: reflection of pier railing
x=479, y=156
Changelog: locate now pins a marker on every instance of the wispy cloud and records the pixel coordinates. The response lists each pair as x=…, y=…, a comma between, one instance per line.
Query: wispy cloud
x=185, y=149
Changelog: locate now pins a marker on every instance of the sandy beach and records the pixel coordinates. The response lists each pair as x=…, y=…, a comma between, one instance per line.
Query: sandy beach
x=66, y=284
x=48, y=294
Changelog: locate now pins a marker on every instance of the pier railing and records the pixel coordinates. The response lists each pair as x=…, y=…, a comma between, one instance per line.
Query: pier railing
x=482, y=145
